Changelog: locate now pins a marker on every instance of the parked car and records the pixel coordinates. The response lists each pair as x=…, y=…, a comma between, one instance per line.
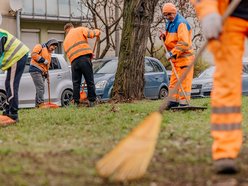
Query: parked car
x=202, y=85
x=156, y=78
x=60, y=84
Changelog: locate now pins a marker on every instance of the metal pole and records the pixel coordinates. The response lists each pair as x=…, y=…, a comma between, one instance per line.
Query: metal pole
x=18, y=27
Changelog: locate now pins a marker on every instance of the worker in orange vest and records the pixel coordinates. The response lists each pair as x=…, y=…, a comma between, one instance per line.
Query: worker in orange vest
x=228, y=51
x=177, y=39
x=80, y=54
x=41, y=59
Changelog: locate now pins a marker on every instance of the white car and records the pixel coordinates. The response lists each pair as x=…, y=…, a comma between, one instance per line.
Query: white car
x=61, y=85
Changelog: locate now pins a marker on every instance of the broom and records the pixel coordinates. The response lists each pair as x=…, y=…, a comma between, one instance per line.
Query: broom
x=130, y=158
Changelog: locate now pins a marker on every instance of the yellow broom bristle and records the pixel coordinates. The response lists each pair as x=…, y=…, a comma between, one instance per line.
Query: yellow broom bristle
x=130, y=158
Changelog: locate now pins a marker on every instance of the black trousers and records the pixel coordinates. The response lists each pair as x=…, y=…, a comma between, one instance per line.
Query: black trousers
x=83, y=66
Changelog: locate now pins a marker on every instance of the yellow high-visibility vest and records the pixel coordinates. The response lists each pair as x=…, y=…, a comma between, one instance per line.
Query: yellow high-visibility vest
x=14, y=50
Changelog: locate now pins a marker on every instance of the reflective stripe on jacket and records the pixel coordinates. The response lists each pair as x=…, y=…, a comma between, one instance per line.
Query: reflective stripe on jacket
x=39, y=55
x=76, y=42
x=178, y=39
x=14, y=50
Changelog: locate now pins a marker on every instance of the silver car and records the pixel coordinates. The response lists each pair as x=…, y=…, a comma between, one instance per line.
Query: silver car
x=61, y=84
x=202, y=85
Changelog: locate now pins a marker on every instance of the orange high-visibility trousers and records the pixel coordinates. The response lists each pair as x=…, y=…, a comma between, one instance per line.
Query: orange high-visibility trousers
x=226, y=114
x=186, y=84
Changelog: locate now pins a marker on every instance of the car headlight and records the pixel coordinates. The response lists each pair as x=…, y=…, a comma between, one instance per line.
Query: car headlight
x=101, y=84
x=208, y=85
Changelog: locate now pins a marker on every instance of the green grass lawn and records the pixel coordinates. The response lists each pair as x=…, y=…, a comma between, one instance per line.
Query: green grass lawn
x=59, y=147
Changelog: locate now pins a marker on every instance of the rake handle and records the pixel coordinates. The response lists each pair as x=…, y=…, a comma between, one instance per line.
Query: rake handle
x=227, y=13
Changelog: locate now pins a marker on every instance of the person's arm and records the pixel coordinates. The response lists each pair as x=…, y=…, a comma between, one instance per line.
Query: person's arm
x=36, y=54
x=88, y=33
x=209, y=15
x=205, y=7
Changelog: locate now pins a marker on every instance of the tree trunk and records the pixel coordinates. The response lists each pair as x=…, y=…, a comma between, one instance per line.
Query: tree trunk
x=137, y=19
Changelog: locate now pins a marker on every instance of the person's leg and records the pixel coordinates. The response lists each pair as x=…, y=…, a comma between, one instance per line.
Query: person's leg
x=89, y=78
x=12, y=86
x=76, y=79
x=39, y=83
x=226, y=115
x=173, y=101
x=186, y=84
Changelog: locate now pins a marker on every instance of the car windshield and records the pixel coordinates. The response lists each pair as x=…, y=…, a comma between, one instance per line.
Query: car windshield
x=106, y=67
x=208, y=73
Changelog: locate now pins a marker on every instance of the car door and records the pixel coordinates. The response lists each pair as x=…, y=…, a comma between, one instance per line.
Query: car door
x=245, y=79
x=55, y=76
x=153, y=78
x=26, y=88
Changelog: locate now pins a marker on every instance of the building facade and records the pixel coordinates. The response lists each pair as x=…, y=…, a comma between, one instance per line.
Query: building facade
x=39, y=20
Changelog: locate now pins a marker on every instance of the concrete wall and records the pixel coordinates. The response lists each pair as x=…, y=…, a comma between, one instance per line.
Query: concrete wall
x=9, y=20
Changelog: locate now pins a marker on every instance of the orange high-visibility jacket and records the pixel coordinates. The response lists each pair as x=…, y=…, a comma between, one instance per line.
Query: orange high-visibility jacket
x=76, y=42
x=205, y=7
x=39, y=55
x=178, y=40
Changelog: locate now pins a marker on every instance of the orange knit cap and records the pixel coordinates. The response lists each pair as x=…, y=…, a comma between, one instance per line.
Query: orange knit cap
x=169, y=8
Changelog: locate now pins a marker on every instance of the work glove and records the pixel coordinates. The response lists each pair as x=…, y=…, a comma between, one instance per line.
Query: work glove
x=168, y=55
x=212, y=25
x=45, y=62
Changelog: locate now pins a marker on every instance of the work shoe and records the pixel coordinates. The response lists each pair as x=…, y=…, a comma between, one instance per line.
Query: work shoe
x=225, y=166
x=171, y=104
x=6, y=120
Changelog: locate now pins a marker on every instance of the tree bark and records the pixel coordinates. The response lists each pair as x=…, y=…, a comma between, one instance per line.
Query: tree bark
x=137, y=19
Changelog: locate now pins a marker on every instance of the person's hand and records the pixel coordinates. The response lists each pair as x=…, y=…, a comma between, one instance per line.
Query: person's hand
x=45, y=74
x=162, y=37
x=211, y=25
x=168, y=55
x=45, y=62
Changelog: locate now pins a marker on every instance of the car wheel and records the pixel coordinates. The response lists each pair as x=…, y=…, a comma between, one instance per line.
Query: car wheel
x=3, y=98
x=163, y=93
x=66, y=98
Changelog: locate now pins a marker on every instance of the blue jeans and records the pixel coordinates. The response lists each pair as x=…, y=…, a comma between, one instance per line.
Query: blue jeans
x=14, y=74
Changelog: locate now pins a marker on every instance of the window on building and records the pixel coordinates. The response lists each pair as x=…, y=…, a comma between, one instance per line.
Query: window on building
x=30, y=37
x=39, y=7
x=75, y=8
x=27, y=7
x=52, y=8
x=64, y=8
